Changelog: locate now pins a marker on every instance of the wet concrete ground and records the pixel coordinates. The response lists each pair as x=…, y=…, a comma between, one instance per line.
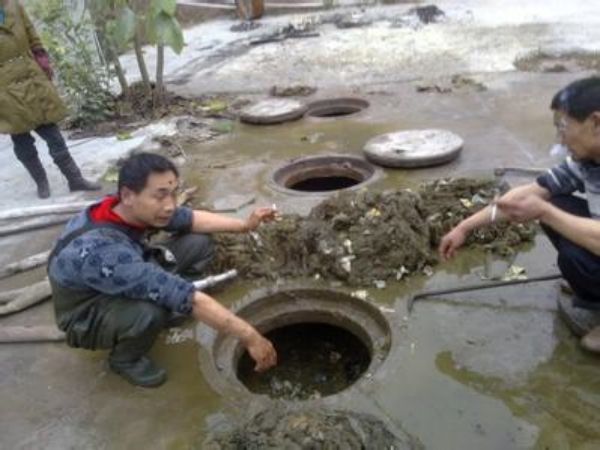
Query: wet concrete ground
x=483, y=370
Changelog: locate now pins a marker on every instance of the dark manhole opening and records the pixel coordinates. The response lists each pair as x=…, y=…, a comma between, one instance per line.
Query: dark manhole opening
x=314, y=360
x=337, y=107
x=321, y=184
x=323, y=174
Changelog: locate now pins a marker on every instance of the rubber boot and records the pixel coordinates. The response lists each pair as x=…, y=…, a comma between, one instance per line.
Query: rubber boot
x=69, y=169
x=128, y=359
x=38, y=173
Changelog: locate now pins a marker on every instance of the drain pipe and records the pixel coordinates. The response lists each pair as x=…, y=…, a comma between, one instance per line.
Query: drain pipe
x=215, y=279
x=476, y=287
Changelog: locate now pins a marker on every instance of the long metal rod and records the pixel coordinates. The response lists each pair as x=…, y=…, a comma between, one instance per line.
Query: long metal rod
x=477, y=287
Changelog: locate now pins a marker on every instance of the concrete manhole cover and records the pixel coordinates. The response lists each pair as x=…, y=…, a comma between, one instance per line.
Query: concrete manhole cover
x=326, y=342
x=336, y=107
x=322, y=174
x=413, y=148
x=272, y=111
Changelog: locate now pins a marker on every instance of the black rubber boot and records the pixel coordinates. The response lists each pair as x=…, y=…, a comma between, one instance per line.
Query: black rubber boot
x=128, y=359
x=38, y=173
x=69, y=169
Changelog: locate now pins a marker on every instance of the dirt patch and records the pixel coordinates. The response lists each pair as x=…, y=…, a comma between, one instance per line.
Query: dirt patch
x=287, y=427
x=559, y=62
x=363, y=238
x=139, y=109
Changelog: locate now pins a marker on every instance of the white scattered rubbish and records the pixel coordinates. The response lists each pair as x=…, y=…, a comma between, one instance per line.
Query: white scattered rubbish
x=401, y=272
x=178, y=335
x=412, y=348
x=380, y=284
x=428, y=271
x=385, y=309
x=514, y=273
x=360, y=294
x=346, y=262
x=348, y=246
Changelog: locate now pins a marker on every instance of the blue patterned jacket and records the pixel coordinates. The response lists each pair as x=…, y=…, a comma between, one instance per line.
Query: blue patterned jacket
x=114, y=261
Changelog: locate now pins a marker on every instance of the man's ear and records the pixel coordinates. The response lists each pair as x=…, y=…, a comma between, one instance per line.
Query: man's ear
x=126, y=196
x=595, y=118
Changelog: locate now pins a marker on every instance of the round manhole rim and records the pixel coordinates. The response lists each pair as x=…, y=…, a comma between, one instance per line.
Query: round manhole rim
x=301, y=169
x=267, y=311
x=347, y=106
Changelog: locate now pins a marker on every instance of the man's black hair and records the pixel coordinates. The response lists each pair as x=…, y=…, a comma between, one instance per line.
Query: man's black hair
x=137, y=168
x=579, y=99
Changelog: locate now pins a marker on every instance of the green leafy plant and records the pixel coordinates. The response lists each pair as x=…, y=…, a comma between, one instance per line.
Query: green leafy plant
x=82, y=76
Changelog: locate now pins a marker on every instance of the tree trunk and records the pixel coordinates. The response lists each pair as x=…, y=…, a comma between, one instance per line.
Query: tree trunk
x=139, y=54
x=159, y=90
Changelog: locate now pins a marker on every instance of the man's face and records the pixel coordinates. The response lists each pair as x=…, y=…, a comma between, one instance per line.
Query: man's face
x=582, y=138
x=155, y=204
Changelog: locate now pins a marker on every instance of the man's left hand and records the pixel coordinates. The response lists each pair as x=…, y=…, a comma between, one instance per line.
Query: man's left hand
x=259, y=216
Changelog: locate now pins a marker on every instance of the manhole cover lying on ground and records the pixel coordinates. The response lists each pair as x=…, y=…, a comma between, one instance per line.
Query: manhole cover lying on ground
x=336, y=107
x=413, y=148
x=319, y=174
x=272, y=111
x=326, y=341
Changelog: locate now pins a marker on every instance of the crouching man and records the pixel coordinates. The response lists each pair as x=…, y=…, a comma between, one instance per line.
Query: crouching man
x=571, y=222
x=111, y=290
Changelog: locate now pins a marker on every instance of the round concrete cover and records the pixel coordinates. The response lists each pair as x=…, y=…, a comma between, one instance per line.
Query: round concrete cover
x=274, y=110
x=413, y=148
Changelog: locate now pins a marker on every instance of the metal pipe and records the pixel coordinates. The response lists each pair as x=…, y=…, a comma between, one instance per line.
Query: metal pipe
x=476, y=287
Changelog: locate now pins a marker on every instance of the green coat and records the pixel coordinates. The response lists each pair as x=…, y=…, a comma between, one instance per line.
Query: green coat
x=27, y=98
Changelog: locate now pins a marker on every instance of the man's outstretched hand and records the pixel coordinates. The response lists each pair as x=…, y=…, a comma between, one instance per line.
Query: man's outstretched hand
x=451, y=242
x=258, y=216
x=262, y=352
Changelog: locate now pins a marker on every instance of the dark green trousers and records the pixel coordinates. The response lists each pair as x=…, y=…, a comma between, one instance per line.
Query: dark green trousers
x=93, y=320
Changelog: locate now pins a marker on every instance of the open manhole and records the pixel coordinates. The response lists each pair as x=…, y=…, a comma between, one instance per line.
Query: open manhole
x=326, y=342
x=321, y=174
x=336, y=107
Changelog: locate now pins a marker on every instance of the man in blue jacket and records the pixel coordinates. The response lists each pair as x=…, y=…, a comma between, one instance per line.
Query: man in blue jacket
x=572, y=223
x=111, y=290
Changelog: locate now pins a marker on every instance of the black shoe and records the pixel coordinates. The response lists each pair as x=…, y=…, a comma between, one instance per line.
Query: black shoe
x=141, y=372
x=38, y=173
x=81, y=184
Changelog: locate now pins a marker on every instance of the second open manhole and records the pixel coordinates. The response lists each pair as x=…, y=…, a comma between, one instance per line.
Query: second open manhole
x=321, y=174
x=336, y=107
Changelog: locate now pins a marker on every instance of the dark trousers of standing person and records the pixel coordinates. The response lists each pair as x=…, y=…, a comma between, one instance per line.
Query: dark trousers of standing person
x=26, y=152
x=580, y=267
x=129, y=327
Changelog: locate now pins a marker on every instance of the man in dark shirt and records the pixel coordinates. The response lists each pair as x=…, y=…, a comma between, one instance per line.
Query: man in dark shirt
x=112, y=290
x=572, y=223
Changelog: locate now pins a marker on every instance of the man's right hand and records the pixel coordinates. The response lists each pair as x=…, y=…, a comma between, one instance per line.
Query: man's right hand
x=262, y=352
x=451, y=242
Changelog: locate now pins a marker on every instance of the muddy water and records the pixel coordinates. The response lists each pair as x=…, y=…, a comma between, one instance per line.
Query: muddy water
x=314, y=360
x=485, y=370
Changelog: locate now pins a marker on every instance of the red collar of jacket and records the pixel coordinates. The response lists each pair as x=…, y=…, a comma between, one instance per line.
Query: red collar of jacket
x=104, y=212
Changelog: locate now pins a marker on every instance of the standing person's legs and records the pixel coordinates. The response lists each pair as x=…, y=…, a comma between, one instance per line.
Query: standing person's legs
x=62, y=158
x=24, y=148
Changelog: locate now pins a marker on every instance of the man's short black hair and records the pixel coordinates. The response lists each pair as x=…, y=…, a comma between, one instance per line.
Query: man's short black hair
x=137, y=168
x=579, y=99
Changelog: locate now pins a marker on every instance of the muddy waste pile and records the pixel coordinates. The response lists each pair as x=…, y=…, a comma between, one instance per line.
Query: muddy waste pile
x=286, y=427
x=366, y=237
